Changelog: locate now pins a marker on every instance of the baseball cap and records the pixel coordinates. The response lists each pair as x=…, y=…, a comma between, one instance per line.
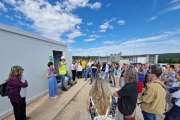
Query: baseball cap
x=62, y=57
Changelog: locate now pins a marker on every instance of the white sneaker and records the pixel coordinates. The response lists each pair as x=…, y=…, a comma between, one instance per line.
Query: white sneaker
x=116, y=89
x=54, y=97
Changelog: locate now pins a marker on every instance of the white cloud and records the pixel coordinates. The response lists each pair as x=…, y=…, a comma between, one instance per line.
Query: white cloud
x=96, y=36
x=121, y=22
x=106, y=25
x=93, y=31
x=108, y=42
x=17, y=16
x=173, y=8
x=69, y=41
x=88, y=30
x=90, y=23
x=3, y=7
x=9, y=17
x=75, y=33
x=95, y=6
x=88, y=40
x=108, y=5
x=80, y=49
x=174, y=1
x=102, y=31
x=55, y=20
x=10, y=1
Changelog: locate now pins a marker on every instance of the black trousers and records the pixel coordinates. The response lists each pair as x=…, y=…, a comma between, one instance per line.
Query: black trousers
x=73, y=74
x=79, y=74
x=19, y=110
x=145, y=81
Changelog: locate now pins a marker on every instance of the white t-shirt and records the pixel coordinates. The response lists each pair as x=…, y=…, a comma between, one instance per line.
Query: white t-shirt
x=90, y=63
x=23, y=91
x=72, y=66
x=177, y=95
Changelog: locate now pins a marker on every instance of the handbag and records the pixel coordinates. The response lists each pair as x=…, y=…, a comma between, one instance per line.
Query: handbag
x=127, y=117
x=4, y=89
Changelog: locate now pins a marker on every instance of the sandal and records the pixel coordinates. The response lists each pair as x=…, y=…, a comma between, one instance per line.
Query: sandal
x=27, y=118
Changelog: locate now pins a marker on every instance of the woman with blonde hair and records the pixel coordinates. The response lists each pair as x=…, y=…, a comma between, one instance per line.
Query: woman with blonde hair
x=101, y=104
x=14, y=85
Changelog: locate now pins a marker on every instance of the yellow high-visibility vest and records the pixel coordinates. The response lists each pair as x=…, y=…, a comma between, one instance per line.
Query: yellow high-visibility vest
x=62, y=70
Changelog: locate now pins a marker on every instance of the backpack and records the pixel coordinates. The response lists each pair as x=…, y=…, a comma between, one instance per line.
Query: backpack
x=103, y=117
x=4, y=89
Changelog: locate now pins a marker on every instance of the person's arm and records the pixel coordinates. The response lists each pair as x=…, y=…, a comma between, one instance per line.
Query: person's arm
x=48, y=76
x=121, y=93
x=148, y=96
x=165, y=78
x=19, y=83
x=88, y=103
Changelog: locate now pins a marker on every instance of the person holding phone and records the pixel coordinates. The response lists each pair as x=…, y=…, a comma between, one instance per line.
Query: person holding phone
x=94, y=70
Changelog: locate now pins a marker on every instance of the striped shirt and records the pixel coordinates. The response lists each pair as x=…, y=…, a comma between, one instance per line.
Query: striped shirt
x=171, y=78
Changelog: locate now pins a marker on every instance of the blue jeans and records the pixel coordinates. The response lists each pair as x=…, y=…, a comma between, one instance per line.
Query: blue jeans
x=102, y=73
x=148, y=116
x=93, y=74
x=106, y=76
x=83, y=72
x=87, y=72
x=63, y=79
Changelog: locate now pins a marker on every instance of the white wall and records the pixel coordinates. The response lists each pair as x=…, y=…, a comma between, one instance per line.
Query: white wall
x=30, y=51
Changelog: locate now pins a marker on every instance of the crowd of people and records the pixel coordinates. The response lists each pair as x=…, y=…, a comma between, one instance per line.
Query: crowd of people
x=158, y=90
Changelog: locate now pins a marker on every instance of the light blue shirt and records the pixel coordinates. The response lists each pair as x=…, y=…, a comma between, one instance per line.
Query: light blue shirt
x=118, y=72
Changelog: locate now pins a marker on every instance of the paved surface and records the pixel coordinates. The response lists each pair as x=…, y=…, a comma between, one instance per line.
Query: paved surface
x=46, y=108
x=72, y=107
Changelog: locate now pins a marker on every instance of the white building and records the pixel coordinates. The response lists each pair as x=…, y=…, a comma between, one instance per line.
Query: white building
x=32, y=52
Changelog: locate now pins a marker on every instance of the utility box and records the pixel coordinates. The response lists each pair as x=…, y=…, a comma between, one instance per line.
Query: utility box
x=32, y=52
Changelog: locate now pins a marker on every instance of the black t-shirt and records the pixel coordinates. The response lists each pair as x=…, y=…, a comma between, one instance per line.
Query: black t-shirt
x=94, y=68
x=128, y=94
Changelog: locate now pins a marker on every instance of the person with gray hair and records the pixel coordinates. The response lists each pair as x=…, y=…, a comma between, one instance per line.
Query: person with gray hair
x=127, y=95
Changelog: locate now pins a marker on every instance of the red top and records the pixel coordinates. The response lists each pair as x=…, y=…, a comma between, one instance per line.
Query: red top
x=14, y=86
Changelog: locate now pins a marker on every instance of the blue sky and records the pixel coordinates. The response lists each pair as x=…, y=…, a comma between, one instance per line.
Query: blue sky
x=90, y=27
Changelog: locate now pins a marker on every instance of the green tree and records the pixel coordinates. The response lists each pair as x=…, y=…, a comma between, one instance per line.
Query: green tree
x=174, y=61
x=160, y=60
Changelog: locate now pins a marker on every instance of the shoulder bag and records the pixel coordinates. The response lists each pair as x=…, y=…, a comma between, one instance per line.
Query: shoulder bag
x=4, y=89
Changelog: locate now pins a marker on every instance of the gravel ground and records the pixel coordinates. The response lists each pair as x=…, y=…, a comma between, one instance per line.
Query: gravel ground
x=76, y=109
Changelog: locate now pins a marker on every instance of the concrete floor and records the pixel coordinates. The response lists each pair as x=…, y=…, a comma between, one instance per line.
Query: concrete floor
x=46, y=108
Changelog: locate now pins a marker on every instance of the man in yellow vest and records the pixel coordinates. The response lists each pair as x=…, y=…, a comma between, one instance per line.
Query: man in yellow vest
x=63, y=72
x=84, y=67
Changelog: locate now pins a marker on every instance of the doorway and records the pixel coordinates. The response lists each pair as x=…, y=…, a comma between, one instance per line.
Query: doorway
x=57, y=58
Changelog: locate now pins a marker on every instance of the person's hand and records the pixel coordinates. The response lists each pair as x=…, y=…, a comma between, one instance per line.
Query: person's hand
x=65, y=63
x=56, y=75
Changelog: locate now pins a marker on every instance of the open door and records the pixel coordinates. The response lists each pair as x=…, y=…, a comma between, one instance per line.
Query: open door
x=57, y=56
x=68, y=57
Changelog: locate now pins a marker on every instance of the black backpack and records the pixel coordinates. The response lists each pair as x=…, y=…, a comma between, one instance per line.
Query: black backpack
x=4, y=89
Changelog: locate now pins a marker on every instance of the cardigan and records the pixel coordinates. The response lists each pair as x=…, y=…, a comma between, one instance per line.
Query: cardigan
x=14, y=86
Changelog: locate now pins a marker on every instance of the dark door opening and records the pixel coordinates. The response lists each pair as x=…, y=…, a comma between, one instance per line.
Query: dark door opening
x=57, y=58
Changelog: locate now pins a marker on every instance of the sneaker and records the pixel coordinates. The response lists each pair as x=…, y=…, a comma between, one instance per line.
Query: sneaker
x=70, y=84
x=116, y=89
x=54, y=97
x=84, y=80
x=65, y=89
x=90, y=83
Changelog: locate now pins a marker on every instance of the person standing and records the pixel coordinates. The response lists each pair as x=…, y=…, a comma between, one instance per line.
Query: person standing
x=79, y=69
x=84, y=67
x=106, y=71
x=14, y=85
x=173, y=114
x=117, y=74
x=23, y=93
x=137, y=67
x=73, y=68
x=94, y=70
x=122, y=80
x=169, y=79
x=98, y=73
x=140, y=80
x=127, y=95
x=63, y=72
x=88, y=68
x=153, y=99
x=101, y=70
x=145, y=75
x=111, y=74
x=52, y=82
